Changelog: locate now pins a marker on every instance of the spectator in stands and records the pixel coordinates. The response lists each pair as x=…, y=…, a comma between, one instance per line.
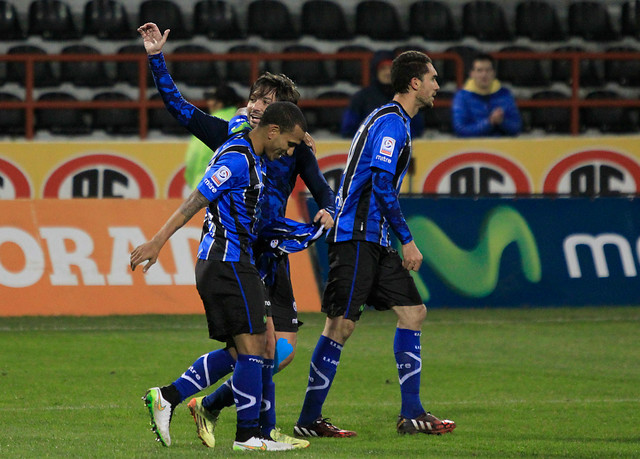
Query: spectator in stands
x=483, y=107
x=378, y=93
x=222, y=102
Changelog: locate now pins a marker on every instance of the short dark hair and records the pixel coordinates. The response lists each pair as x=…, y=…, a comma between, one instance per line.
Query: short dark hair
x=483, y=57
x=284, y=87
x=405, y=67
x=286, y=115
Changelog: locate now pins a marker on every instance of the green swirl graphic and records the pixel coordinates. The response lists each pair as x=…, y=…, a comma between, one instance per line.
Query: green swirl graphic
x=474, y=273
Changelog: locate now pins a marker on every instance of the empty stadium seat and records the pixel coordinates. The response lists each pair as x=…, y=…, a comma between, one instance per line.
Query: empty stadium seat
x=240, y=71
x=270, y=19
x=167, y=15
x=539, y=21
x=432, y=20
x=115, y=120
x=43, y=74
x=324, y=20
x=197, y=73
x=127, y=71
x=160, y=119
x=521, y=72
x=305, y=72
x=591, y=21
x=52, y=19
x=330, y=118
x=62, y=121
x=466, y=53
x=12, y=120
x=591, y=71
x=379, y=20
x=608, y=119
x=85, y=72
x=630, y=19
x=217, y=20
x=107, y=19
x=551, y=119
x=348, y=70
x=623, y=72
x=485, y=20
x=10, y=28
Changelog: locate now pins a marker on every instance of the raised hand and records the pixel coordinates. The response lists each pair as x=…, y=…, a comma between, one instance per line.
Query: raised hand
x=153, y=39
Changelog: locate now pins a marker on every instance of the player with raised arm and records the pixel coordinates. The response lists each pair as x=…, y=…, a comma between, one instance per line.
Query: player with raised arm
x=280, y=180
x=364, y=269
x=227, y=280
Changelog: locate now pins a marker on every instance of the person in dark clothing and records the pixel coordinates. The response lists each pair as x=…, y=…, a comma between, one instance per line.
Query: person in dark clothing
x=378, y=93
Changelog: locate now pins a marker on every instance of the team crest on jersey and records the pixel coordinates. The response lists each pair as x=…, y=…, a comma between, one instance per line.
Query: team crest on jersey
x=388, y=144
x=221, y=175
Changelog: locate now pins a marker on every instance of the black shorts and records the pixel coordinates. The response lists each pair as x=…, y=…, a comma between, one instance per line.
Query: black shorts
x=365, y=273
x=283, y=303
x=233, y=296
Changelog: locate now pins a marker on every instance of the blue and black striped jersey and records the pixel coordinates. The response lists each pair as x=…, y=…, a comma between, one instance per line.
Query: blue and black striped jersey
x=381, y=146
x=233, y=185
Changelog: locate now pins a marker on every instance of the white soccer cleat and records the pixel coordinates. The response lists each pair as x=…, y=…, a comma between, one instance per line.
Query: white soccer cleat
x=261, y=444
x=161, y=412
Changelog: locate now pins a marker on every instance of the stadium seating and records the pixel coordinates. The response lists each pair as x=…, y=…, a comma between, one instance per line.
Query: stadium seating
x=324, y=20
x=127, y=71
x=10, y=28
x=306, y=72
x=538, y=21
x=12, y=120
x=591, y=71
x=439, y=118
x=590, y=20
x=217, y=20
x=167, y=15
x=378, y=20
x=107, y=19
x=84, y=73
x=52, y=19
x=553, y=120
x=270, y=19
x=160, y=119
x=240, y=71
x=348, y=70
x=521, y=72
x=485, y=20
x=432, y=20
x=115, y=120
x=630, y=19
x=43, y=74
x=625, y=73
x=608, y=119
x=197, y=73
x=61, y=121
x=330, y=118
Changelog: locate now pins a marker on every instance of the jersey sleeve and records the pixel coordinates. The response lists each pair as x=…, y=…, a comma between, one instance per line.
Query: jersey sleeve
x=387, y=142
x=309, y=171
x=229, y=171
x=387, y=199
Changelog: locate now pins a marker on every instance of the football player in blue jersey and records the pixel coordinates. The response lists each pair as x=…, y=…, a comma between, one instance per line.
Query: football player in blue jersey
x=227, y=280
x=280, y=180
x=364, y=268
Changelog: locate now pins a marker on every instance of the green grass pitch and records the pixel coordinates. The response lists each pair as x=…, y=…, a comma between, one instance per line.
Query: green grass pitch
x=541, y=383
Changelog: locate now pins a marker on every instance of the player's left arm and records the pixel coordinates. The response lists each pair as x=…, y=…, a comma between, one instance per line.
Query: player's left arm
x=150, y=250
x=314, y=180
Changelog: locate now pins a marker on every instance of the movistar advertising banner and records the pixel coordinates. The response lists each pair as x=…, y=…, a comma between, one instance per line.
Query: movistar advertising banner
x=503, y=252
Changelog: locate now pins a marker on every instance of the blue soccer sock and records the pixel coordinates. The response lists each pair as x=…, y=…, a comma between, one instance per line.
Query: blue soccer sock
x=406, y=347
x=324, y=364
x=204, y=372
x=268, y=407
x=246, y=383
x=221, y=398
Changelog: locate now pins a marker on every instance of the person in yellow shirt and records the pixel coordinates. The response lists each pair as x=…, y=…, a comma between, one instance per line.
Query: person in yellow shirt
x=223, y=103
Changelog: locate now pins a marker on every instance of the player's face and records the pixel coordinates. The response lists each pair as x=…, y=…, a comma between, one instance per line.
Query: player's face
x=428, y=87
x=283, y=143
x=256, y=106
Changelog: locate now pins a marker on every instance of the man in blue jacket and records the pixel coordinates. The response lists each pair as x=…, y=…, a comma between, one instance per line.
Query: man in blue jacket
x=483, y=107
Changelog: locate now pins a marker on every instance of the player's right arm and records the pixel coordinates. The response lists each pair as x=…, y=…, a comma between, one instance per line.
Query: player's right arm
x=150, y=250
x=211, y=130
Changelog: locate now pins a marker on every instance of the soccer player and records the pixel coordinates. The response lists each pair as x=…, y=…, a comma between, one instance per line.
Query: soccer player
x=227, y=280
x=364, y=269
x=280, y=180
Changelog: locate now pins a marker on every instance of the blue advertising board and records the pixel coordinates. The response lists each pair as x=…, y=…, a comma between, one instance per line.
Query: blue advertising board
x=534, y=251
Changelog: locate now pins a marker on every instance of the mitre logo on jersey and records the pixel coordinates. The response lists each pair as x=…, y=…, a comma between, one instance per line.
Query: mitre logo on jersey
x=13, y=182
x=477, y=174
x=594, y=173
x=99, y=176
x=387, y=146
x=221, y=175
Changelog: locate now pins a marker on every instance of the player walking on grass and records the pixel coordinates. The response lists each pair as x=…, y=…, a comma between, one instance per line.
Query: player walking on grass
x=364, y=269
x=227, y=280
x=280, y=180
